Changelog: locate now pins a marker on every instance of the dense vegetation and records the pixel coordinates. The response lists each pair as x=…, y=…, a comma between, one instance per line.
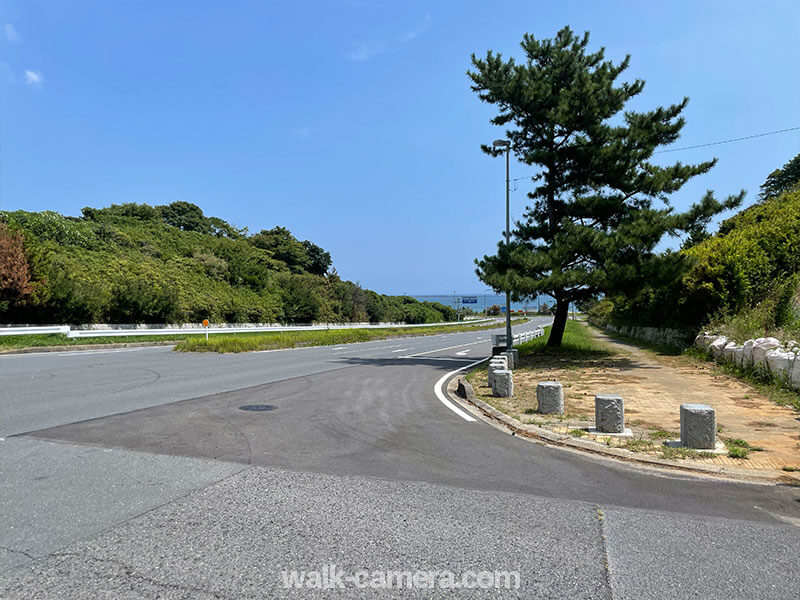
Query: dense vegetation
x=743, y=280
x=134, y=263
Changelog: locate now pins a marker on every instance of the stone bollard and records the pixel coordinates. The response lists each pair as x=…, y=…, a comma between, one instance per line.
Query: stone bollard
x=550, y=396
x=503, y=385
x=609, y=413
x=497, y=363
x=513, y=358
x=698, y=426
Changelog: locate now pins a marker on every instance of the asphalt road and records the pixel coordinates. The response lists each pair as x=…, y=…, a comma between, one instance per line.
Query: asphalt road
x=135, y=473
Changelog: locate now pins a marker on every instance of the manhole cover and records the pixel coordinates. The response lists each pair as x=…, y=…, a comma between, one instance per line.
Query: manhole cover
x=258, y=407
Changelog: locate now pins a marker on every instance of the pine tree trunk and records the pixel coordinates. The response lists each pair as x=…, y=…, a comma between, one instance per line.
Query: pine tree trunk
x=559, y=323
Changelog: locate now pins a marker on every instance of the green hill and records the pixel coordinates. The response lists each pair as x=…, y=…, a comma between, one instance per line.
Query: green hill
x=134, y=263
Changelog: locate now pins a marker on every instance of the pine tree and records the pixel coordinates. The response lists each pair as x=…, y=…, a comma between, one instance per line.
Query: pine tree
x=782, y=180
x=593, y=223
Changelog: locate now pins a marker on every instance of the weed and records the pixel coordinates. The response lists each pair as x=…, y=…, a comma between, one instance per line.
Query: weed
x=791, y=469
x=639, y=445
x=738, y=452
x=671, y=453
x=577, y=432
x=662, y=434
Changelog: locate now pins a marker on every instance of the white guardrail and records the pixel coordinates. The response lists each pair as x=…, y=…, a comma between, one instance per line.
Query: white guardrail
x=499, y=339
x=84, y=331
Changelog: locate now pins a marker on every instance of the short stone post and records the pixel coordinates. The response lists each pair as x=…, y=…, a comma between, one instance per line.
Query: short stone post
x=609, y=413
x=495, y=364
x=513, y=358
x=550, y=396
x=503, y=384
x=698, y=426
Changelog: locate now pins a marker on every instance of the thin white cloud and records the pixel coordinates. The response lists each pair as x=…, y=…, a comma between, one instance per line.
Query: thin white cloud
x=414, y=33
x=365, y=50
x=34, y=78
x=12, y=35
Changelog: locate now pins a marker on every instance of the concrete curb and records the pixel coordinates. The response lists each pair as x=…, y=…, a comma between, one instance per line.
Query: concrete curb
x=459, y=385
x=78, y=347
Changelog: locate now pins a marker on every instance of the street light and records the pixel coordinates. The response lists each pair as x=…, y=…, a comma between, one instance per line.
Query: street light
x=507, y=145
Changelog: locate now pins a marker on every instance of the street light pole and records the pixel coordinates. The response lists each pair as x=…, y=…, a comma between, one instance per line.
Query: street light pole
x=507, y=145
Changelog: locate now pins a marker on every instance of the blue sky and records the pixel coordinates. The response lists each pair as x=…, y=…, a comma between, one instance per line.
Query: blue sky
x=351, y=122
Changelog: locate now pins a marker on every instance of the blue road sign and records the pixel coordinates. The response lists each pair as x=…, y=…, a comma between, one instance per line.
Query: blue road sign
x=469, y=300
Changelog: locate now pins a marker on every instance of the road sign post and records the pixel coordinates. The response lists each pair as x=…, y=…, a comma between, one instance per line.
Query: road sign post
x=205, y=324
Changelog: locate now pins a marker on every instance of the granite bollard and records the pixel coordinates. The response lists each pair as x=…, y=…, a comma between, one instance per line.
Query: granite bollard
x=698, y=426
x=609, y=413
x=497, y=363
x=513, y=358
x=503, y=384
x=550, y=396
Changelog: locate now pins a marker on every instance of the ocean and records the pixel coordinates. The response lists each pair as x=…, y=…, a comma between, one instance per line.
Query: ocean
x=481, y=301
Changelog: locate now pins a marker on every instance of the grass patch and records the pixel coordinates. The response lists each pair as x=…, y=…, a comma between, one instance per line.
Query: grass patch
x=18, y=342
x=577, y=432
x=671, y=453
x=224, y=343
x=790, y=469
x=577, y=342
x=639, y=445
x=738, y=452
x=738, y=448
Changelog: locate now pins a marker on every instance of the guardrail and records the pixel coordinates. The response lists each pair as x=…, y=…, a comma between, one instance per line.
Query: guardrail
x=85, y=331
x=499, y=339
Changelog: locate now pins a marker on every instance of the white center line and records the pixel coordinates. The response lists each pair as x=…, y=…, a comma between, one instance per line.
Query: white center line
x=401, y=350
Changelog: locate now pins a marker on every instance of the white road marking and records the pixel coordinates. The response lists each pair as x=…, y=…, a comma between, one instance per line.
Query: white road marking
x=448, y=348
x=339, y=348
x=450, y=358
x=463, y=352
x=401, y=350
x=443, y=399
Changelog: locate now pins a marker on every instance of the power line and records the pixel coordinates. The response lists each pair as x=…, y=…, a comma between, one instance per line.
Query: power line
x=739, y=139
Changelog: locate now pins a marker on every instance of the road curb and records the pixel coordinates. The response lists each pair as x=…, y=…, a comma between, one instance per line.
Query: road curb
x=503, y=421
x=79, y=347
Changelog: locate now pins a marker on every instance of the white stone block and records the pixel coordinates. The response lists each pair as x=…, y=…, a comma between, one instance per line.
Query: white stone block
x=747, y=350
x=779, y=363
x=717, y=345
x=738, y=356
x=728, y=350
x=795, y=376
x=760, y=348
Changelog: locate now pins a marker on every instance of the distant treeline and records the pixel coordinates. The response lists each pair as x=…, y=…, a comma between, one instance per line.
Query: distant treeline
x=135, y=263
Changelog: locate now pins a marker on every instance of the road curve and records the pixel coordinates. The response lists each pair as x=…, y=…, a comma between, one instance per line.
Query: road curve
x=111, y=448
